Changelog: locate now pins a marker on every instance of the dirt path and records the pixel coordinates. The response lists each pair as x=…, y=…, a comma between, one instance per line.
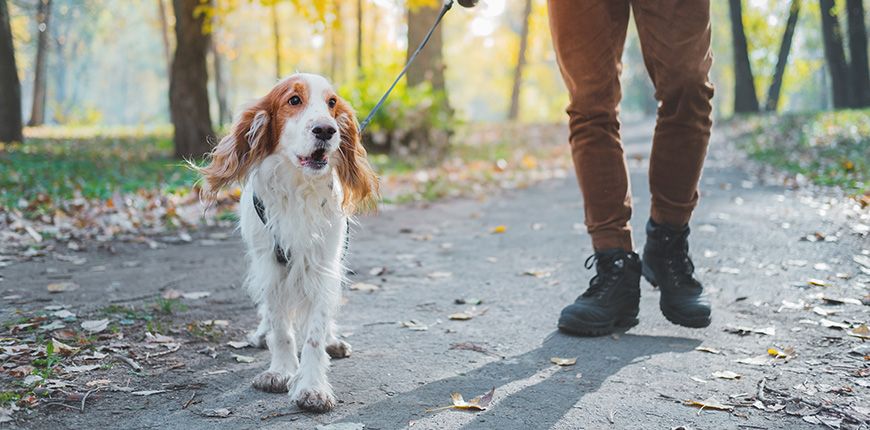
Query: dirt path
x=748, y=247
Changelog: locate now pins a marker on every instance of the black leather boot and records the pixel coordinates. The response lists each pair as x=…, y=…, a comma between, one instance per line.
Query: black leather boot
x=667, y=265
x=612, y=300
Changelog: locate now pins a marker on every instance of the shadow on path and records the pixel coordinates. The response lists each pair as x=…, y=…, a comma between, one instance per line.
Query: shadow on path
x=523, y=382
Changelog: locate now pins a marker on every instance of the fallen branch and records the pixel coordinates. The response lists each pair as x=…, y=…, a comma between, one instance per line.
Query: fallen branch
x=130, y=362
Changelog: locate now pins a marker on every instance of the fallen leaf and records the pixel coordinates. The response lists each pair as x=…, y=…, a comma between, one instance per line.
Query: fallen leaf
x=62, y=348
x=538, y=273
x=817, y=282
x=743, y=331
x=81, y=369
x=710, y=403
x=21, y=371
x=469, y=301
x=499, y=229
x=696, y=379
x=726, y=374
x=777, y=353
x=63, y=314
x=243, y=358
x=148, y=392
x=824, y=267
x=217, y=413
x=563, y=361
x=833, y=324
x=440, y=275
x=708, y=349
x=862, y=260
x=861, y=331
x=60, y=287
x=459, y=316
x=479, y=403
x=171, y=294
x=823, y=311
x=95, y=326
x=841, y=300
x=759, y=360
x=158, y=338
x=362, y=286
x=238, y=344
x=196, y=295
x=377, y=271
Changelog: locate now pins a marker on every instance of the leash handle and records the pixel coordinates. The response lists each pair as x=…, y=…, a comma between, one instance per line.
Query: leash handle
x=447, y=5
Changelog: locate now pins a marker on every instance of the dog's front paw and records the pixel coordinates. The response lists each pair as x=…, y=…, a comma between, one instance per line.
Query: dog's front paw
x=338, y=349
x=313, y=400
x=270, y=382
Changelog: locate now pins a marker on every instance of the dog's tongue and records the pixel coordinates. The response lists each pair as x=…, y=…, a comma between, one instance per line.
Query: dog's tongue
x=316, y=157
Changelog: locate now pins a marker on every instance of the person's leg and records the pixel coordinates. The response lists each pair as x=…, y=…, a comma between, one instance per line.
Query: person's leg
x=588, y=37
x=675, y=40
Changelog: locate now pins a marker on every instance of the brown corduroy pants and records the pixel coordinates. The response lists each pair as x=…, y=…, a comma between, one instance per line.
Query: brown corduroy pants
x=588, y=36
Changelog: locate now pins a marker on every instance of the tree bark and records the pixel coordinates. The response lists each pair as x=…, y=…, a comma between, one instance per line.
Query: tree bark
x=745, y=99
x=514, y=111
x=10, y=87
x=832, y=35
x=860, y=72
x=277, y=37
x=188, y=84
x=429, y=65
x=784, y=48
x=43, y=16
x=164, y=31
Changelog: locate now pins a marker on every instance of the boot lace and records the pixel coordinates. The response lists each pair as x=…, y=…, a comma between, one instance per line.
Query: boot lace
x=609, y=270
x=677, y=260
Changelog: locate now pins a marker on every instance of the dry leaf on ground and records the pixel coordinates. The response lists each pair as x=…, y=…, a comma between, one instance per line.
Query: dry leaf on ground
x=710, y=403
x=60, y=287
x=479, y=403
x=726, y=374
x=243, y=358
x=238, y=344
x=439, y=275
x=460, y=316
x=362, y=286
x=861, y=331
x=563, y=361
x=95, y=326
x=833, y=324
x=499, y=229
x=708, y=349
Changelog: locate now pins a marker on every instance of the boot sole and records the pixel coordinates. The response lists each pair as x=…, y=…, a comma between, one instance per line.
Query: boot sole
x=581, y=328
x=673, y=316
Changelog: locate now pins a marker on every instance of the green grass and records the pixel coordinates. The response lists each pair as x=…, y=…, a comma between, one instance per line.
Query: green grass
x=829, y=148
x=60, y=164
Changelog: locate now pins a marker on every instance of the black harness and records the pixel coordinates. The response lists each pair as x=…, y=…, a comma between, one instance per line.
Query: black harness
x=282, y=257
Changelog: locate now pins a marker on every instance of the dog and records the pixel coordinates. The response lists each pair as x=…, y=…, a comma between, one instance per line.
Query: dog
x=304, y=173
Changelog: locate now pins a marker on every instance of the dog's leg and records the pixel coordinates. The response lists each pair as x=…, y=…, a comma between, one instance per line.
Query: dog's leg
x=257, y=338
x=310, y=388
x=282, y=345
x=335, y=347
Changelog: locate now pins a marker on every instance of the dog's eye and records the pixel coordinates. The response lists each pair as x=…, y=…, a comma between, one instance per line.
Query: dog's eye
x=332, y=102
x=295, y=100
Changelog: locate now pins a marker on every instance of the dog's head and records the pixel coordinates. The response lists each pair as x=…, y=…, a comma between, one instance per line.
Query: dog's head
x=306, y=123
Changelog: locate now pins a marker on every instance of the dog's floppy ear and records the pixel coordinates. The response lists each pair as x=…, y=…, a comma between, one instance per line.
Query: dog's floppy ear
x=232, y=157
x=358, y=181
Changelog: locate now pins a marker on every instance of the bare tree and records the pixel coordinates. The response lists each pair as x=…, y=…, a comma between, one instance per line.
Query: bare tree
x=220, y=89
x=188, y=84
x=10, y=87
x=514, y=111
x=859, y=70
x=745, y=99
x=359, y=37
x=832, y=34
x=43, y=16
x=784, y=48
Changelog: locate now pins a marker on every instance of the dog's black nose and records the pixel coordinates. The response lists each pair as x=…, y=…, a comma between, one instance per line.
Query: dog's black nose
x=323, y=132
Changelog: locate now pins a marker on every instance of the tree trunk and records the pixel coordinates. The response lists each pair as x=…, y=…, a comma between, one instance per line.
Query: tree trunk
x=10, y=87
x=359, y=38
x=277, y=35
x=784, y=48
x=860, y=72
x=514, y=111
x=745, y=99
x=429, y=65
x=164, y=31
x=43, y=15
x=832, y=34
x=188, y=84
x=220, y=90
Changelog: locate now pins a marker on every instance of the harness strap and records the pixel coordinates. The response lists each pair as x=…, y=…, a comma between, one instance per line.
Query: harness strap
x=280, y=256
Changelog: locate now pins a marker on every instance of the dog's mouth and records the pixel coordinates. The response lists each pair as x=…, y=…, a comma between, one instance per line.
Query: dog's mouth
x=316, y=160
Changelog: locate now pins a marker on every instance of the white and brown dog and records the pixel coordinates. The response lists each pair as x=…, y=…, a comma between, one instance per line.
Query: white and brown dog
x=304, y=172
